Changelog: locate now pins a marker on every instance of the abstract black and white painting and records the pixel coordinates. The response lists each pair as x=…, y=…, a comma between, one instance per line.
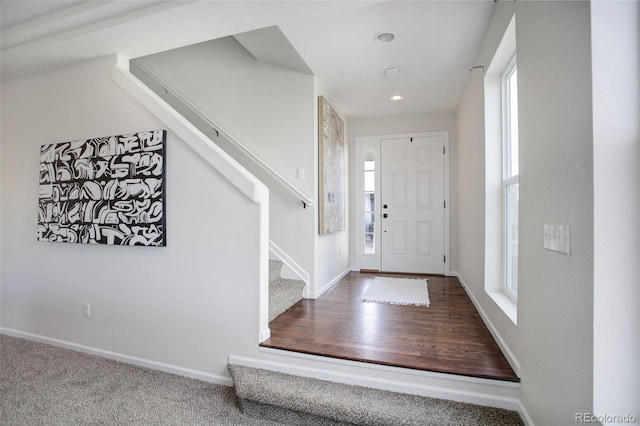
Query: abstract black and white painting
x=104, y=191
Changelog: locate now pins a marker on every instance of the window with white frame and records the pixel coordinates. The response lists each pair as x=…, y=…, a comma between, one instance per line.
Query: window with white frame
x=510, y=170
x=502, y=191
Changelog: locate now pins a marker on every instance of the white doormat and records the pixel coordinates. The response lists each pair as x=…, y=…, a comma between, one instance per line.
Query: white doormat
x=397, y=291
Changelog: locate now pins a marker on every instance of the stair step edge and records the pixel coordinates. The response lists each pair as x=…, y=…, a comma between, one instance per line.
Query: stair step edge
x=352, y=403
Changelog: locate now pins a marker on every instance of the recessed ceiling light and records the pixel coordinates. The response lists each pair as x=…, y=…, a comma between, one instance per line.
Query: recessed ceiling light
x=384, y=37
x=396, y=98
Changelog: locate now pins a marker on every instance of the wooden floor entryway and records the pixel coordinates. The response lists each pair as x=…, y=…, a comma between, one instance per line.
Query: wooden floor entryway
x=446, y=337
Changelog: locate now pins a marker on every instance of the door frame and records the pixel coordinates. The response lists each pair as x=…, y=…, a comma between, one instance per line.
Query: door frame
x=372, y=146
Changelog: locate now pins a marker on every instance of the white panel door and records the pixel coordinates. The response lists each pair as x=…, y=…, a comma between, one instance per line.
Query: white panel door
x=412, y=201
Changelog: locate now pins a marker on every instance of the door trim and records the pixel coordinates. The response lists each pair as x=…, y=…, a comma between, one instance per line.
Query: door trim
x=373, y=144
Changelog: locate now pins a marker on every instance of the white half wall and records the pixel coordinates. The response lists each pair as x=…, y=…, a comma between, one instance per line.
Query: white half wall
x=167, y=306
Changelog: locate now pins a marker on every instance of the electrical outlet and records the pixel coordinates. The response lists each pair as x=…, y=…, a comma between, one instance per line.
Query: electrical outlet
x=86, y=310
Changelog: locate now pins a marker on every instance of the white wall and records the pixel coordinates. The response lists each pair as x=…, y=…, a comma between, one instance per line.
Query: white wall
x=1, y=204
x=169, y=305
x=471, y=187
x=615, y=35
x=553, y=338
x=556, y=187
x=445, y=121
x=270, y=110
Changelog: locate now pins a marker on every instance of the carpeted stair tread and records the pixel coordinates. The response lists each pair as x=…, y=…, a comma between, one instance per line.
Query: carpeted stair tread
x=359, y=405
x=283, y=293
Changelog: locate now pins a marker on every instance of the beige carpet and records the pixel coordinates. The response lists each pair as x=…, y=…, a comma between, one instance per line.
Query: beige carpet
x=48, y=386
x=43, y=385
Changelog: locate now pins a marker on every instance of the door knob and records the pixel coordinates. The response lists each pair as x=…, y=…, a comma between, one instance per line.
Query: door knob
x=385, y=215
x=384, y=207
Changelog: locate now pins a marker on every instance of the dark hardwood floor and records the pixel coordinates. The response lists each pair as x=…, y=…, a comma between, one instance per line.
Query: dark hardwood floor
x=447, y=337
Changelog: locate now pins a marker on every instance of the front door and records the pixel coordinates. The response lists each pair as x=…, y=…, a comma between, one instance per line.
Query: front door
x=413, y=204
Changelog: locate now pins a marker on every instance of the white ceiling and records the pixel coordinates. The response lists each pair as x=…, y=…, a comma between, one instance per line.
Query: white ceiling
x=436, y=41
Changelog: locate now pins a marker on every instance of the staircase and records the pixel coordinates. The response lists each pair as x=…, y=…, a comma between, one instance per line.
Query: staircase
x=298, y=400
x=283, y=292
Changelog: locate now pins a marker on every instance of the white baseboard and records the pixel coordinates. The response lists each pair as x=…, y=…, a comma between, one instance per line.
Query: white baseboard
x=141, y=362
x=524, y=414
x=291, y=269
x=316, y=294
x=506, y=350
x=265, y=334
x=472, y=390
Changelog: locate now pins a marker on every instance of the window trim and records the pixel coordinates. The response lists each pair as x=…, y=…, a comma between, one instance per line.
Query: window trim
x=494, y=237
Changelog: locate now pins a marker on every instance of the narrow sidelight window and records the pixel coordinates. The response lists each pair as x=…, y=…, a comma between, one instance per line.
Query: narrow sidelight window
x=369, y=206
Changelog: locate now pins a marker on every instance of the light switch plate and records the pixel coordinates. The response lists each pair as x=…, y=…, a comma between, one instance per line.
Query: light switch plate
x=558, y=238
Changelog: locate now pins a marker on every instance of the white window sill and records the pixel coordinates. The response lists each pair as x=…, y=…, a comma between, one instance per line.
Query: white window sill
x=508, y=306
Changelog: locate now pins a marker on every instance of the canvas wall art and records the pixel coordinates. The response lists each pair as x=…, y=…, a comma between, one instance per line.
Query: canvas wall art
x=331, y=169
x=106, y=190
